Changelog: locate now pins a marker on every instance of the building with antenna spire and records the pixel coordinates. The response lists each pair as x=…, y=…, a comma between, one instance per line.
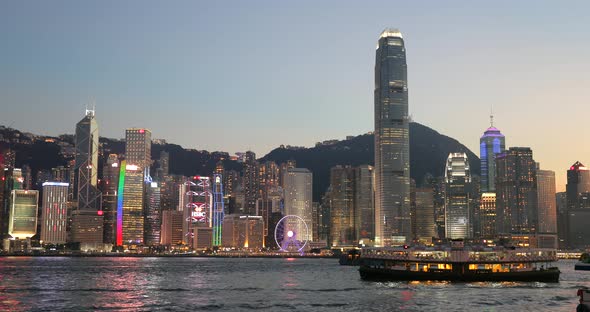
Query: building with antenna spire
x=87, y=219
x=491, y=143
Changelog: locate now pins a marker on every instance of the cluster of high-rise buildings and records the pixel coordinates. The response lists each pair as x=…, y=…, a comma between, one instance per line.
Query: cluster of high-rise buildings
x=512, y=200
x=131, y=208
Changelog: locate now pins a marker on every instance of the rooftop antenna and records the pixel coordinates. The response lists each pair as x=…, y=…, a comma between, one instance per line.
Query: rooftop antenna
x=492, y=115
x=90, y=112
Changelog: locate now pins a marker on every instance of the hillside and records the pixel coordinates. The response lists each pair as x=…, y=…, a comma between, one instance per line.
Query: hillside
x=428, y=152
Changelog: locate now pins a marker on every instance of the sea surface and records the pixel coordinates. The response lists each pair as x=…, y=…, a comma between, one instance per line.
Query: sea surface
x=244, y=284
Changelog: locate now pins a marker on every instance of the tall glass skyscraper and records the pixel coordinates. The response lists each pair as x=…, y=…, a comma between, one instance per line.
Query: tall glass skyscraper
x=392, y=142
x=491, y=143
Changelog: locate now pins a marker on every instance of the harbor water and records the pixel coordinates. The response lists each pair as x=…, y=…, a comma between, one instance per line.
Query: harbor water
x=242, y=284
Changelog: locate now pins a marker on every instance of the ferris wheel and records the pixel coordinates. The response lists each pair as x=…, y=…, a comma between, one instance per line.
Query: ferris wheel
x=292, y=234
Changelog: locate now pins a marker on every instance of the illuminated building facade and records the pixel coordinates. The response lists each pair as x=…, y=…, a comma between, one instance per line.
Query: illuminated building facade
x=23, y=214
x=392, y=142
x=109, y=186
x=546, y=203
x=87, y=219
x=487, y=215
x=130, y=221
x=54, y=214
x=172, y=221
x=86, y=166
x=342, y=212
x=491, y=144
x=138, y=147
x=153, y=214
x=457, y=197
x=424, y=210
x=197, y=206
x=516, y=192
x=243, y=232
x=298, y=196
x=251, y=183
x=218, y=209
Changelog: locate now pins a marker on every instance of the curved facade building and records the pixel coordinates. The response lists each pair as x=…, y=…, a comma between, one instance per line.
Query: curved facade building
x=457, y=183
x=392, y=142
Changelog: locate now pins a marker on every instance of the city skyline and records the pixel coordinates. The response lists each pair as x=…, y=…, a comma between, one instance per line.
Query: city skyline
x=55, y=69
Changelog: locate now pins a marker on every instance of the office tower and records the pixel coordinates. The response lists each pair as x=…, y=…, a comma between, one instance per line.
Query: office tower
x=130, y=205
x=218, y=209
x=364, y=202
x=268, y=181
x=578, y=206
x=458, y=195
x=172, y=221
x=251, y=183
x=342, y=207
x=491, y=143
x=27, y=177
x=243, y=232
x=54, y=214
x=298, y=192
x=516, y=192
x=165, y=163
x=138, y=147
x=23, y=214
x=86, y=165
x=578, y=183
x=153, y=210
x=424, y=209
x=196, y=203
x=487, y=215
x=87, y=220
x=547, y=210
x=392, y=145
x=291, y=163
x=109, y=186
x=562, y=216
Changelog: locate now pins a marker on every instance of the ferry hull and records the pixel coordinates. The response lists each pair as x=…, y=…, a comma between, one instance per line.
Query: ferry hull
x=582, y=266
x=550, y=275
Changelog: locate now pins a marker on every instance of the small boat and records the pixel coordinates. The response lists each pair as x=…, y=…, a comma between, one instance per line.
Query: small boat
x=584, y=263
x=457, y=263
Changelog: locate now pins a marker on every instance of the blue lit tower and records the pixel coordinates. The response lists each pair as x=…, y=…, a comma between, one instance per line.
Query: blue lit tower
x=491, y=144
x=392, y=141
x=217, y=208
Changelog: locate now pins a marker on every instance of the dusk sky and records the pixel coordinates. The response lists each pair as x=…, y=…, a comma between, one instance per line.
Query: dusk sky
x=239, y=75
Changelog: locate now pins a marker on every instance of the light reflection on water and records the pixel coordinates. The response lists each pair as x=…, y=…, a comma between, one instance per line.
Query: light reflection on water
x=181, y=284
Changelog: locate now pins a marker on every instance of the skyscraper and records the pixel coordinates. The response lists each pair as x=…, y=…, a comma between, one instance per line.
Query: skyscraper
x=251, y=183
x=491, y=144
x=424, y=209
x=298, y=188
x=138, y=147
x=392, y=145
x=578, y=206
x=342, y=212
x=55, y=212
x=87, y=220
x=364, y=199
x=109, y=184
x=487, y=215
x=546, y=201
x=153, y=214
x=516, y=192
x=23, y=214
x=130, y=205
x=458, y=195
x=87, y=163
